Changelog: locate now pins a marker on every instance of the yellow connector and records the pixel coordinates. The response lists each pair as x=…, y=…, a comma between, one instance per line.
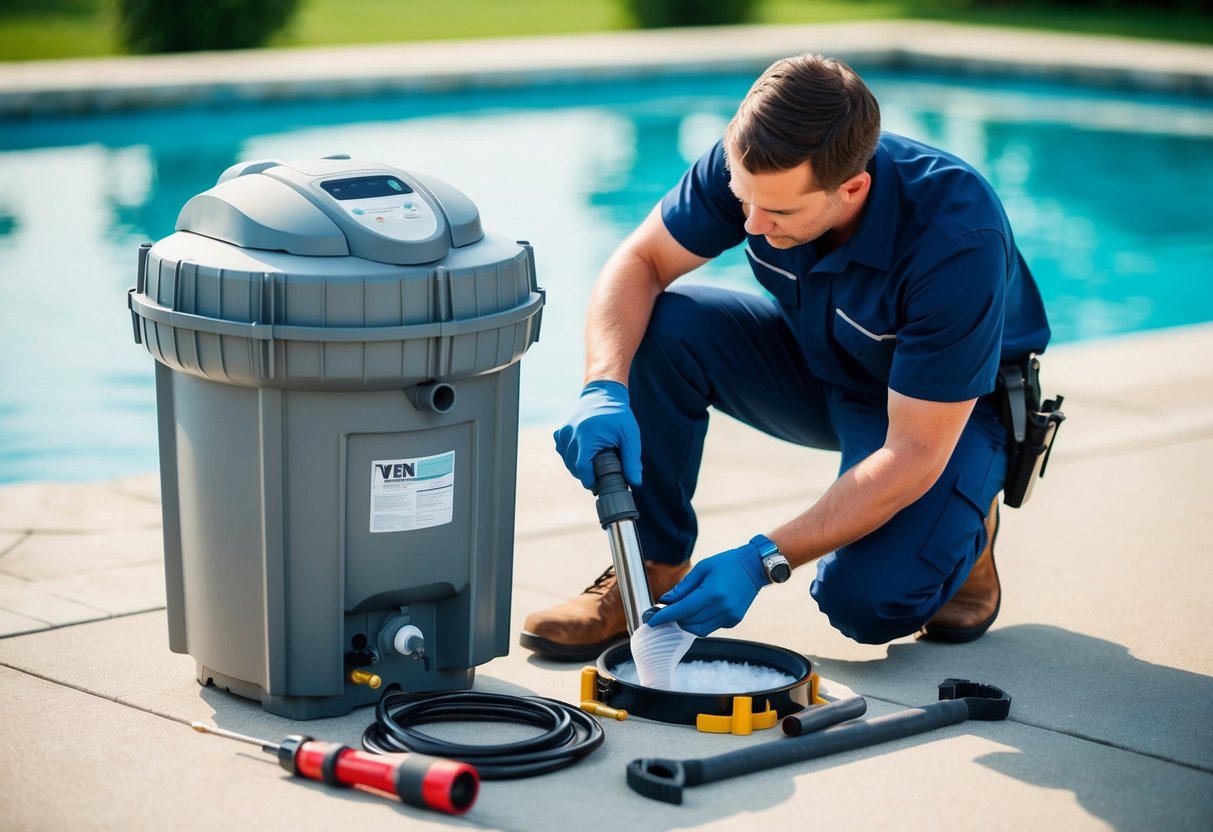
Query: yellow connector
x=742, y=721
x=589, y=683
x=815, y=697
x=361, y=677
x=599, y=709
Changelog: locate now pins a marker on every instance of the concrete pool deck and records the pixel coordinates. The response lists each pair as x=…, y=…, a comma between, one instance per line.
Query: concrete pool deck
x=1102, y=639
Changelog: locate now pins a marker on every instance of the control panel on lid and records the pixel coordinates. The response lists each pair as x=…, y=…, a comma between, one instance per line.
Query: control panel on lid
x=384, y=204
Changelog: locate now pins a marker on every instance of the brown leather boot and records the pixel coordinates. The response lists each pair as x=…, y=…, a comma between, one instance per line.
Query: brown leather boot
x=973, y=608
x=580, y=629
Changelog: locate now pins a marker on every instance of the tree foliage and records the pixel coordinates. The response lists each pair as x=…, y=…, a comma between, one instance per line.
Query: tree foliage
x=192, y=25
x=651, y=14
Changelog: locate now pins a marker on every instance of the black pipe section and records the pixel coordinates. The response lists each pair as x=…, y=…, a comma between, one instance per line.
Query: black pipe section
x=823, y=716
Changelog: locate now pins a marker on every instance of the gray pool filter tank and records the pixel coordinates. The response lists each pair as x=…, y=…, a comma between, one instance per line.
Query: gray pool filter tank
x=337, y=350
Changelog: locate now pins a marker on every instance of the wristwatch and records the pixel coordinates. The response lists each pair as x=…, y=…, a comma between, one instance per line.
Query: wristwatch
x=774, y=564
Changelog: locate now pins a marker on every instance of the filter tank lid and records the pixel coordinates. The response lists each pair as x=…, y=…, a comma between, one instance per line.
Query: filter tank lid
x=334, y=207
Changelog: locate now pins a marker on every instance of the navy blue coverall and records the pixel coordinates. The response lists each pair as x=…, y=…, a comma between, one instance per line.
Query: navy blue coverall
x=927, y=297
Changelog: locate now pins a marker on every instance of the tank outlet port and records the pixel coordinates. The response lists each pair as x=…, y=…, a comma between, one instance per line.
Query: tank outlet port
x=438, y=397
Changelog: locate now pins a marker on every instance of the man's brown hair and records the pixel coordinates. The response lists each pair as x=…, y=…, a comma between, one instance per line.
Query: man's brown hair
x=806, y=109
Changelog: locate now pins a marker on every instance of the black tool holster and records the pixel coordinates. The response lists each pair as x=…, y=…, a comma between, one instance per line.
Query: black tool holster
x=1031, y=426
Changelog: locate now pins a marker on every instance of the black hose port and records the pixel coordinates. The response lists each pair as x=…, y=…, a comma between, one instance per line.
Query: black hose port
x=684, y=708
x=437, y=397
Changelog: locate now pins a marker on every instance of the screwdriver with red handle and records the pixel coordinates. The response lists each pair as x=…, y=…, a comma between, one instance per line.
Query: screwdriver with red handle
x=428, y=782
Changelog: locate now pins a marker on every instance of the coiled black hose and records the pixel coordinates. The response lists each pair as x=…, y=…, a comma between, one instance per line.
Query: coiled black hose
x=569, y=733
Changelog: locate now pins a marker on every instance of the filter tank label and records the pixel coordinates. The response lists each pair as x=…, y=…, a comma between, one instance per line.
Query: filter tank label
x=412, y=493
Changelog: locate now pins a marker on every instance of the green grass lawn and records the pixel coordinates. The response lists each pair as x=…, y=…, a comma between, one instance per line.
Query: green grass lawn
x=33, y=29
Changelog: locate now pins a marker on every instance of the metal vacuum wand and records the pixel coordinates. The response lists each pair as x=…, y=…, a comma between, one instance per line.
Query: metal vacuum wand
x=617, y=513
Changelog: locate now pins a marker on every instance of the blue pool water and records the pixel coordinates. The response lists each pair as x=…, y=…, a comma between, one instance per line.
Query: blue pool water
x=1109, y=194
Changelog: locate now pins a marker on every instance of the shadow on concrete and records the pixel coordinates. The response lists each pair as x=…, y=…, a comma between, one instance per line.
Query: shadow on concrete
x=1063, y=681
x=1080, y=687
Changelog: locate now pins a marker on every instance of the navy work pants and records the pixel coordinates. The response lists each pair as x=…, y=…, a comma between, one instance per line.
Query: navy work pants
x=709, y=347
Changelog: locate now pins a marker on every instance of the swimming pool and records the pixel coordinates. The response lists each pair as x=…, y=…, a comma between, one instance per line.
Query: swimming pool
x=1108, y=193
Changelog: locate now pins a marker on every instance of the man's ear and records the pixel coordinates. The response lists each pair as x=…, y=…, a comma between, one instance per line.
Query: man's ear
x=855, y=188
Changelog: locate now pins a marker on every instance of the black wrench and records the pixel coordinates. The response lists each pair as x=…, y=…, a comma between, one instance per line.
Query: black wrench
x=959, y=699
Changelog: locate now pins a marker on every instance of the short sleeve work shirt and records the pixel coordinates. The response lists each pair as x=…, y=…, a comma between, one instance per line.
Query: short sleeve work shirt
x=926, y=296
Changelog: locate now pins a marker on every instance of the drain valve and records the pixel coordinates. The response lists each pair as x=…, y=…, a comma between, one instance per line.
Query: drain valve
x=409, y=641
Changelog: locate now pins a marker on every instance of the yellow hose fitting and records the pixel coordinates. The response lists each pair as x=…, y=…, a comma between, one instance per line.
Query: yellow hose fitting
x=599, y=709
x=361, y=677
x=589, y=683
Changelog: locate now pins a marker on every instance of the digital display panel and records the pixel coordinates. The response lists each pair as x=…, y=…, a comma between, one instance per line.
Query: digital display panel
x=365, y=187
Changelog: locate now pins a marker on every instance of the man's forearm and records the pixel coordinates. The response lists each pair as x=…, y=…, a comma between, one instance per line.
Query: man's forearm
x=618, y=315
x=622, y=302
x=921, y=438
x=857, y=504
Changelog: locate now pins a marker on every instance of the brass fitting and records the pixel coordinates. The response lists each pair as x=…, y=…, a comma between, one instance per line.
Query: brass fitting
x=362, y=677
x=599, y=709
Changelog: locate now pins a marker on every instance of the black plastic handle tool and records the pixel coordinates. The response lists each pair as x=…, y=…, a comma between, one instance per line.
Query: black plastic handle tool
x=960, y=700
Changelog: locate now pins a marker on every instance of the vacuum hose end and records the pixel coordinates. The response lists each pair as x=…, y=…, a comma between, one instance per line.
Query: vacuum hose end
x=615, y=501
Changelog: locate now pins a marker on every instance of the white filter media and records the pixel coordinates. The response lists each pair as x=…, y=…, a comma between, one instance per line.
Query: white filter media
x=656, y=652
x=714, y=677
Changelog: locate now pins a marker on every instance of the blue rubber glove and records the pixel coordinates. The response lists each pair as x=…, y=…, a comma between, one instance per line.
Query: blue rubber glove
x=603, y=419
x=716, y=593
